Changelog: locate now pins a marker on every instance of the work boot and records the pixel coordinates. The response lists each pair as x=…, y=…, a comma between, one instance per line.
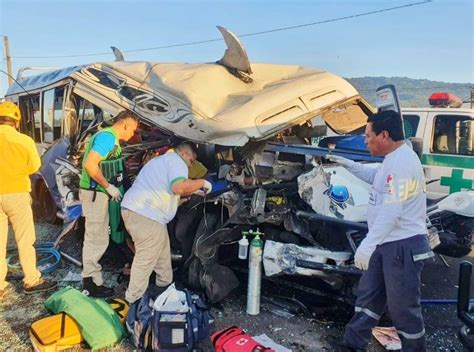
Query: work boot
x=41, y=286
x=93, y=290
x=339, y=345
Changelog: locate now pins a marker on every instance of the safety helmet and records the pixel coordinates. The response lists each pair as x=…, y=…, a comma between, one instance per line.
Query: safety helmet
x=11, y=110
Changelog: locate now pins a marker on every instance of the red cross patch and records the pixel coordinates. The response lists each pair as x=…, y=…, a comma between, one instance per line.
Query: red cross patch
x=388, y=187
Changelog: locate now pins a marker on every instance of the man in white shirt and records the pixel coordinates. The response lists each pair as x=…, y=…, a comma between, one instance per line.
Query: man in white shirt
x=148, y=206
x=392, y=254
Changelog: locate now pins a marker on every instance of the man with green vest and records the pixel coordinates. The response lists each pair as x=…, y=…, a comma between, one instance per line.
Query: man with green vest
x=95, y=194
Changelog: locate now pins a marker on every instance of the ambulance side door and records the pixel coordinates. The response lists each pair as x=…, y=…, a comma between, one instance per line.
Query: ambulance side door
x=449, y=166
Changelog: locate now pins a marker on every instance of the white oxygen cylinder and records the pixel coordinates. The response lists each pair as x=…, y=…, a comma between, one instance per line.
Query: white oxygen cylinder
x=255, y=275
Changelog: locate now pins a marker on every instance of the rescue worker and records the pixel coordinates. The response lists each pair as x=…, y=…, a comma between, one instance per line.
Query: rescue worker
x=18, y=160
x=94, y=195
x=148, y=206
x=392, y=254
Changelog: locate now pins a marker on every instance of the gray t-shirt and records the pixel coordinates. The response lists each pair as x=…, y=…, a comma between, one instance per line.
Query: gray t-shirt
x=151, y=195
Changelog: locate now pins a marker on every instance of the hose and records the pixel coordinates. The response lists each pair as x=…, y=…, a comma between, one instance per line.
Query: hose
x=442, y=301
x=50, y=258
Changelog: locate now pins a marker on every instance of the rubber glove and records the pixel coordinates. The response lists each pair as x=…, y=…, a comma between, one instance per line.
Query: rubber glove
x=362, y=256
x=207, y=187
x=114, y=192
x=340, y=160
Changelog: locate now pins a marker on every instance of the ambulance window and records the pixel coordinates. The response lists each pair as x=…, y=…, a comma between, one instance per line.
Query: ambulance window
x=410, y=125
x=453, y=134
x=465, y=136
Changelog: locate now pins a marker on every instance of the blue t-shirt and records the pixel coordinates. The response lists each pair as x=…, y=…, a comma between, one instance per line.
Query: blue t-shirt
x=103, y=144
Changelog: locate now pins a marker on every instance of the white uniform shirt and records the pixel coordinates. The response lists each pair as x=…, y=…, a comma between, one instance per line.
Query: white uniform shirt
x=397, y=200
x=151, y=195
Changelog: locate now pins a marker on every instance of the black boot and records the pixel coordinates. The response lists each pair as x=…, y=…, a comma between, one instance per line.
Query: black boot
x=92, y=290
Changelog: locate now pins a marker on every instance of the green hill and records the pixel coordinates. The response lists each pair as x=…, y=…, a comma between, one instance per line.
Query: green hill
x=411, y=92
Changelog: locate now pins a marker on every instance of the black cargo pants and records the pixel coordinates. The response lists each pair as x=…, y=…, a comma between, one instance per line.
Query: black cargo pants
x=392, y=281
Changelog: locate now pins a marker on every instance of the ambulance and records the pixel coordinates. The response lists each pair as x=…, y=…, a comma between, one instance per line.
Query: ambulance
x=445, y=134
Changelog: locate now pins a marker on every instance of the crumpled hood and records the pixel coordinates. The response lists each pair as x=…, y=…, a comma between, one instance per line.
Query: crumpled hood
x=206, y=103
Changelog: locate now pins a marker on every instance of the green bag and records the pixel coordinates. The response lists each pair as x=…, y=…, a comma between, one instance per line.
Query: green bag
x=114, y=172
x=99, y=323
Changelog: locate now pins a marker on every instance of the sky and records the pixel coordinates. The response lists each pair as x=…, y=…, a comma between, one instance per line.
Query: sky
x=431, y=41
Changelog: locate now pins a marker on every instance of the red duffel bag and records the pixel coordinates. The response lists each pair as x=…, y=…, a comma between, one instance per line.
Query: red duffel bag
x=234, y=339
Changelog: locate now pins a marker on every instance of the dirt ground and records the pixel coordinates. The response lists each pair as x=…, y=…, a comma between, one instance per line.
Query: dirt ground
x=298, y=333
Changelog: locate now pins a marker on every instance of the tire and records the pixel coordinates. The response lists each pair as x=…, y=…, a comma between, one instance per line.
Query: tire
x=48, y=208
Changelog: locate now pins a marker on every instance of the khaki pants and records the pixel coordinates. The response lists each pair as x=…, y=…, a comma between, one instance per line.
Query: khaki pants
x=96, y=237
x=152, y=253
x=16, y=207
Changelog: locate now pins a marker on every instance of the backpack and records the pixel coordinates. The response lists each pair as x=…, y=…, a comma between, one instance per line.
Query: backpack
x=234, y=339
x=169, y=330
x=199, y=317
x=59, y=332
x=138, y=321
x=180, y=331
x=99, y=325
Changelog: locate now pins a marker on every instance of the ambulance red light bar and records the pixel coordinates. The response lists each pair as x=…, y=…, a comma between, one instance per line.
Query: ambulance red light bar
x=445, y=100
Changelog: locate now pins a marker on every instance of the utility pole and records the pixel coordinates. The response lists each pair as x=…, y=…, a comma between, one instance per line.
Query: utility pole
x=472, y=97
x=9, y=62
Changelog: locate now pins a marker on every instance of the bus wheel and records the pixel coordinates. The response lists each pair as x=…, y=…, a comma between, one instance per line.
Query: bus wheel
x=48, y=208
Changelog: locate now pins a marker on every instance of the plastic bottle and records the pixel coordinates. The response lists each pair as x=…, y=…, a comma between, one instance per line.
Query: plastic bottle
x=243, y=246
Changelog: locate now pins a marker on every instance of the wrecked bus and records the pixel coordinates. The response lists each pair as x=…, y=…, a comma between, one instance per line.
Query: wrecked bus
x=253, y=124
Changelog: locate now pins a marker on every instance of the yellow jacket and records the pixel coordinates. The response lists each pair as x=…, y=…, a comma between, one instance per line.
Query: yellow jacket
x=18, y=160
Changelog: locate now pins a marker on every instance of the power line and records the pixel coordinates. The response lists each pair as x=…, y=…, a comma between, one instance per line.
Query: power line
x=412, y=88
x=242, y=35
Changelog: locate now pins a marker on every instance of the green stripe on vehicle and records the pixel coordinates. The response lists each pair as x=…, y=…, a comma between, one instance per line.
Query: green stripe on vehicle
x=461, y=161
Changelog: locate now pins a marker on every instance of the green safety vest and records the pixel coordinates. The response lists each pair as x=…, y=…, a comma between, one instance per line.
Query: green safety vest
x=86, y=181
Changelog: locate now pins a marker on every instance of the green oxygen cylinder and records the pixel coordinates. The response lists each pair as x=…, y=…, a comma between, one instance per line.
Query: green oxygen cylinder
x=114, y=172
x=255, y=274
